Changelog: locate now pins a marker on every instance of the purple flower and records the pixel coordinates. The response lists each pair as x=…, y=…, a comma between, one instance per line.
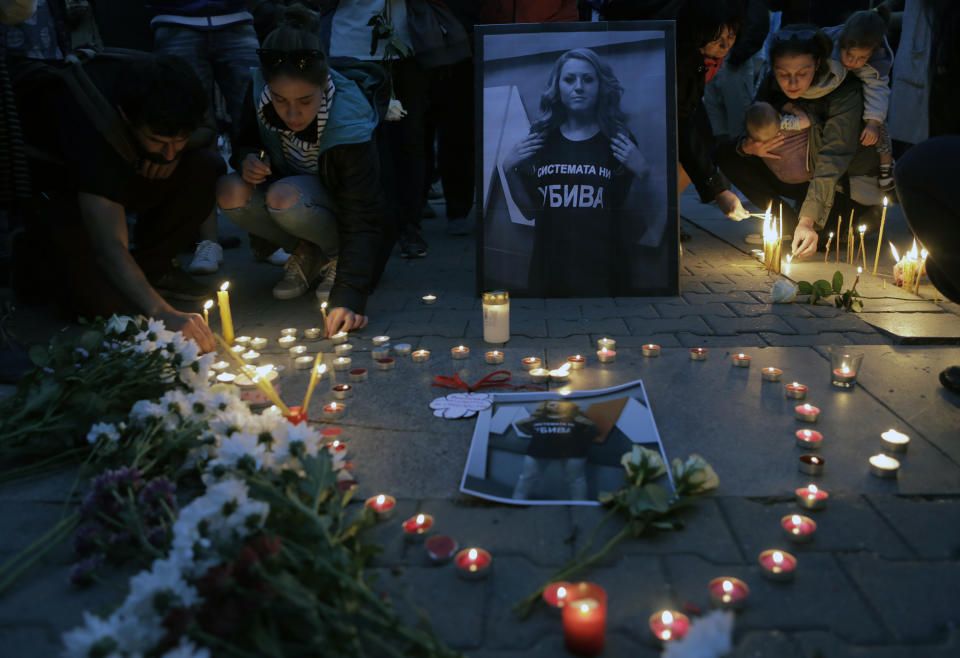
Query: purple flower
x=87, y=539
x=83, y=572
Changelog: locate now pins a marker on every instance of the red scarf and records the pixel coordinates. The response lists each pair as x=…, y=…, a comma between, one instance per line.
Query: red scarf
x=713, y=65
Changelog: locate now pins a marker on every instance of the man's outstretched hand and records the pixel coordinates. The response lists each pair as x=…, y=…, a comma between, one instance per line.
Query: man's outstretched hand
x=343, y=319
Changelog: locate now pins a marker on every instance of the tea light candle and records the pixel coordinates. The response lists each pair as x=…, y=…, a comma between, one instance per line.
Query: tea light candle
x=258, y=343
x=843, y=377
x=335, y=447
x=334, y=411
x=493, y=357
x=226, y=377
x=728, y=593
x=428, y=299
x=884, y=466
x=555, y=594
x=585, y=619
x=777, y=566
x=669, y=625
x=289, y=331
x=250, y=356
x=387, y=363
x=420, y=356
x=473, y=563
x=313, y=333
x=560, y=375
x=358, y=375
x=342, y=349
x=380, y=340
x=287, y=341
x=238, y=349
x=795, y=391
x=303, y=362
x=220, y=366
x=811, y=464
x=809, y=439
x=798, y=529
x=298, y=350
x=339, y=337
x=440, y=549
x=416, y=528
x=540, y=375
x=698, y=353
x=342, y=363
x=402, y=349
x=342, y=391
x=605, y=355
x=771, y=374
x=607, y=343
x=894, y=441
x=460, y=352
x=531, y=362
x=807, y=412
x=650, y=349
x=741, y=360
x=811, y=497
x=242, y=340
x=577, y=362
x=383, y=506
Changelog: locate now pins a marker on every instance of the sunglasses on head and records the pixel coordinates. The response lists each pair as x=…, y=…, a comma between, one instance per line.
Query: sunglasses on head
x=298, y=59
x=794, y=35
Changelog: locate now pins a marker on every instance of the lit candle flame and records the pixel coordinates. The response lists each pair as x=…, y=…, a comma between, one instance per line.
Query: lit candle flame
x=381, y=499
x=727, y=586
x=795, y=520
x=896, y=254
x=323, y=305
x=584, y=608
x=223, y=288
x=561, y=593
x=914, y=253
x=207, y=305
x=777, y=557
x=862, y=228
x=667, y=616
x=472, y=555
x=884, y=202
x=859, y=271
x=420, y=519
x=812, y=490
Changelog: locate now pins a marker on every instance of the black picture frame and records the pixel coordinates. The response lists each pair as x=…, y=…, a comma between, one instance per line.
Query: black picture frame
x=631, y=247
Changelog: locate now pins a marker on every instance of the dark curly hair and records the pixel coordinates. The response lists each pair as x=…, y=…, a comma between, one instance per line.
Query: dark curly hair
x=803, y=40
x=297, y=31
x=864, y=29
x=611, y=118
x=162, y=93
x=701, y=21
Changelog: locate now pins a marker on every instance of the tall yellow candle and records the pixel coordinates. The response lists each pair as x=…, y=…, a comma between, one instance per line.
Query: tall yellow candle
x=226, y=319
x=323, y=315
x=207, y=305
x=850, y=240
x=883, y=221
x=839, y=223
x=315, y=373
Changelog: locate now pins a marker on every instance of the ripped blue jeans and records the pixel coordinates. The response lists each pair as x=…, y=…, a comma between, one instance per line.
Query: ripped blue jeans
x=311, y=218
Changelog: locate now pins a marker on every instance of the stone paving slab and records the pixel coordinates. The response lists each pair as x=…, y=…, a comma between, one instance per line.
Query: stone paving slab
x=829, y=645
x=918, y=328
x=913, y=518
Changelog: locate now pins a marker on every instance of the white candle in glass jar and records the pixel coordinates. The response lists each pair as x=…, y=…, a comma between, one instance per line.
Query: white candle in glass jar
x=496, y=317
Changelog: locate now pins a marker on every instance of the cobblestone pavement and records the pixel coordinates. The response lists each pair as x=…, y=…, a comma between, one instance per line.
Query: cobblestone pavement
x=880, y=580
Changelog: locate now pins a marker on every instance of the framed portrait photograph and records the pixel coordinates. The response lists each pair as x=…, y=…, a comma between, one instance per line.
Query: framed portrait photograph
x=577, y=159
x=544, y=448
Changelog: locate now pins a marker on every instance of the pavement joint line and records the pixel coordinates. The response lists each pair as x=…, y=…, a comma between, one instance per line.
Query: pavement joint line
x=733, y=533
x=868, y=603
x=892, y=526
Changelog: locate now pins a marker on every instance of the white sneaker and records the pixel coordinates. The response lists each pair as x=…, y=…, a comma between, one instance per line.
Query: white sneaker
x=206, y=258
x=327, y=278
x=279, y=257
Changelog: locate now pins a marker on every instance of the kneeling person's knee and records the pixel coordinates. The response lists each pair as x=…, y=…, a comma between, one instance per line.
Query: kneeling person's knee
x=282, y=196
x=232, y=192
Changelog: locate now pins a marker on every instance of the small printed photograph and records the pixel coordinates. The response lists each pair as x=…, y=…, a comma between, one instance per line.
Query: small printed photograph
x=578, y=155
x=537, y=448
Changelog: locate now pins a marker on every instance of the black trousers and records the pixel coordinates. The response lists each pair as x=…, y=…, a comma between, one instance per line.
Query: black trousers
x=451, y=113
x=926, y=181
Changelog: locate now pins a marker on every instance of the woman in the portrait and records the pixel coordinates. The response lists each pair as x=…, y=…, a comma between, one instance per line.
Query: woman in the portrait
x=572, y=175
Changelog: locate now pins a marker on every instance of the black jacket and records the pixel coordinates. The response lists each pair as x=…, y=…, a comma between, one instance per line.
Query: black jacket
x=351, y=173
x=694, y=133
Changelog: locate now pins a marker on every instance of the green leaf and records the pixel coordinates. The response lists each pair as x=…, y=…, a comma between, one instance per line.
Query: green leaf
x=837, y=281
x=804, y=287
x=823, y=287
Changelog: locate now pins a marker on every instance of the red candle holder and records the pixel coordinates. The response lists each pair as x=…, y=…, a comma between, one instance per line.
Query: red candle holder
x=440, y=549
x=669, y=625
x=358, y=375
x=698, y=353
x=798, y=528
x=795, y=391
x=650, y=349
x=416, y=528
x=383, y=506
x=473, y=563
x=811, y=464
x=297, y=415
x=807, y=413
x=728, y=593
x=342, y=391
x=771, y=374
x=811, y=497
x=741, y=360
x=555, y=595
x=577, y=362
x=585, y=619
x=809, y=439
x=777, y=565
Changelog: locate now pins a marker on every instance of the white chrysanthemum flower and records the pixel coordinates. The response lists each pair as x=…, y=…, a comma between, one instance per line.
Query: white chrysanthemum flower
x=156, y=326
x=144, y=410
x=187, y=649
x=103, y=430
x=79, y=641
x=117, y=324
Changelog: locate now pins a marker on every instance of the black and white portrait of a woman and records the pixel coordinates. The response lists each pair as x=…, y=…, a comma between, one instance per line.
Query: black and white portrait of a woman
x=575, y=165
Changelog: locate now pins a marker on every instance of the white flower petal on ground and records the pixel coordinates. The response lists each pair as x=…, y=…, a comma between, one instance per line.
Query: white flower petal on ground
x=460, y=405
x=710, y=636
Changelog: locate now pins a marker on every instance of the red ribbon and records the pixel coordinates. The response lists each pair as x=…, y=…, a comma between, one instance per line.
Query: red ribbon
x=496, y=379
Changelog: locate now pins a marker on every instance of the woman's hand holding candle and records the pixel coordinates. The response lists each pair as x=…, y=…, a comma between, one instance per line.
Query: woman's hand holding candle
x=804, y=238
x=343, y=319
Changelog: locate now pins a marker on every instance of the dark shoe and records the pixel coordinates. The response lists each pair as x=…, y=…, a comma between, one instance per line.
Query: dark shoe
x=460, y=226
x=885, y=180
x=412, y=244
x=229, y=241
x=950, y=378
x=177, y=284
x=429, y=212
